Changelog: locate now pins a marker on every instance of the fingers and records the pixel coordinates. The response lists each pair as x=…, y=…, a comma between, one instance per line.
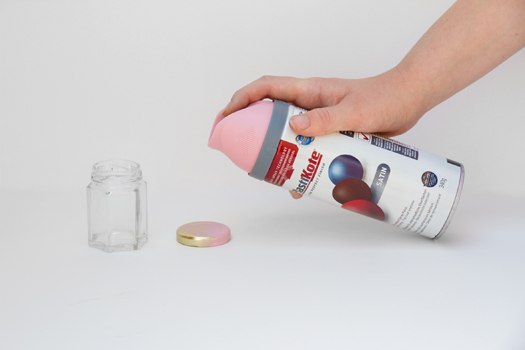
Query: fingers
x=305, y=93
x=320, y=121
x=295, y=195
x=280, y=88
x=366, y=105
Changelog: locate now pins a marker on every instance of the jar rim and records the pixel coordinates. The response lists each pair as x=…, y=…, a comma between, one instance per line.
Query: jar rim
x=116, y=169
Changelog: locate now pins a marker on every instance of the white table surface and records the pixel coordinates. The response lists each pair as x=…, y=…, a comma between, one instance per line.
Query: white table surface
x=296, y=275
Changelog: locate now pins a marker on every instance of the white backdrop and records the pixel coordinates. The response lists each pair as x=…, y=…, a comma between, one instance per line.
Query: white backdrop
x=83, y=81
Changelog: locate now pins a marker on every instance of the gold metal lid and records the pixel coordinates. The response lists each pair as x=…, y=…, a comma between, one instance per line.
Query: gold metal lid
x=203, y=234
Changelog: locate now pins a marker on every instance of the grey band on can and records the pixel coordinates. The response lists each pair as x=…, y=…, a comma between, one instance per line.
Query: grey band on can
x=271, y=140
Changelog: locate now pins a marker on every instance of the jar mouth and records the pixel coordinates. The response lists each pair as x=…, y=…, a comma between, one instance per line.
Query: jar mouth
x=116, y=170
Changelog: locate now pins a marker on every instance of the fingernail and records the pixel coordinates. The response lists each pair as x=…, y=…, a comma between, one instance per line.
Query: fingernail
x=295, y=195
x=300, y=122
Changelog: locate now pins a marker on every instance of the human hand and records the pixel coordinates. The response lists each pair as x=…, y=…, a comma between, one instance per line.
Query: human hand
x=467, y=42
x=380, y=104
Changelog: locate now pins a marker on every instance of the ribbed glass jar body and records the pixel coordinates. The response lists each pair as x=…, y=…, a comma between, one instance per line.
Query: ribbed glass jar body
x=117, y=206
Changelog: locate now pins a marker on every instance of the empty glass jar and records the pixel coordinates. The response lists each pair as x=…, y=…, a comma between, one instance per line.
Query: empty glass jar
x=117, y=211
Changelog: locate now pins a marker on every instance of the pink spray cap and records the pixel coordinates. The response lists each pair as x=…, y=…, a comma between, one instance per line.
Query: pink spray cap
x=240, y=135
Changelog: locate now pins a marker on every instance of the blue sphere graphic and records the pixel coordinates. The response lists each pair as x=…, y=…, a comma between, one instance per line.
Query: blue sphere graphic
x=343, y=167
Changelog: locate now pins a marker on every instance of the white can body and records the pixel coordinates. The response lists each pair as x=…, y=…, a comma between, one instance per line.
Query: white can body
x=410, y=188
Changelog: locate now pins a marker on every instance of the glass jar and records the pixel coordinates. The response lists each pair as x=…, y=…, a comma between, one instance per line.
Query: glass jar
x=117, y=211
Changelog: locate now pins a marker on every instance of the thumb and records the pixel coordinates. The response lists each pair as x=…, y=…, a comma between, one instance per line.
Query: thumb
x=318, y=121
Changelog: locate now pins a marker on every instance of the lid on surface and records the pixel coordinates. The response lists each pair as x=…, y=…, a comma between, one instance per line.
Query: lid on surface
x=203, y=234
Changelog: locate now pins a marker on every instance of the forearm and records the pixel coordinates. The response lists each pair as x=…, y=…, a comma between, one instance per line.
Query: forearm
x=467, y=42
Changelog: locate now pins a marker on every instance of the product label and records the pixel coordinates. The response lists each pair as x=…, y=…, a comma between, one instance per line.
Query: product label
x=383, y=142
x=282, y=164
x=369, y=174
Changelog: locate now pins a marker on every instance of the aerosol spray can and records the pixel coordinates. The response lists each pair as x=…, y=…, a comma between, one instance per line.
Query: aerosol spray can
x=364, y=173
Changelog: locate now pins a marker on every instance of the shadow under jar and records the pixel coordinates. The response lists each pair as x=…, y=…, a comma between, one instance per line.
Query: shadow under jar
x=117, y=208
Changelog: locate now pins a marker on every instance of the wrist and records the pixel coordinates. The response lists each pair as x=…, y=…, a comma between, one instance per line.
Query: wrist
x=410, y=94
